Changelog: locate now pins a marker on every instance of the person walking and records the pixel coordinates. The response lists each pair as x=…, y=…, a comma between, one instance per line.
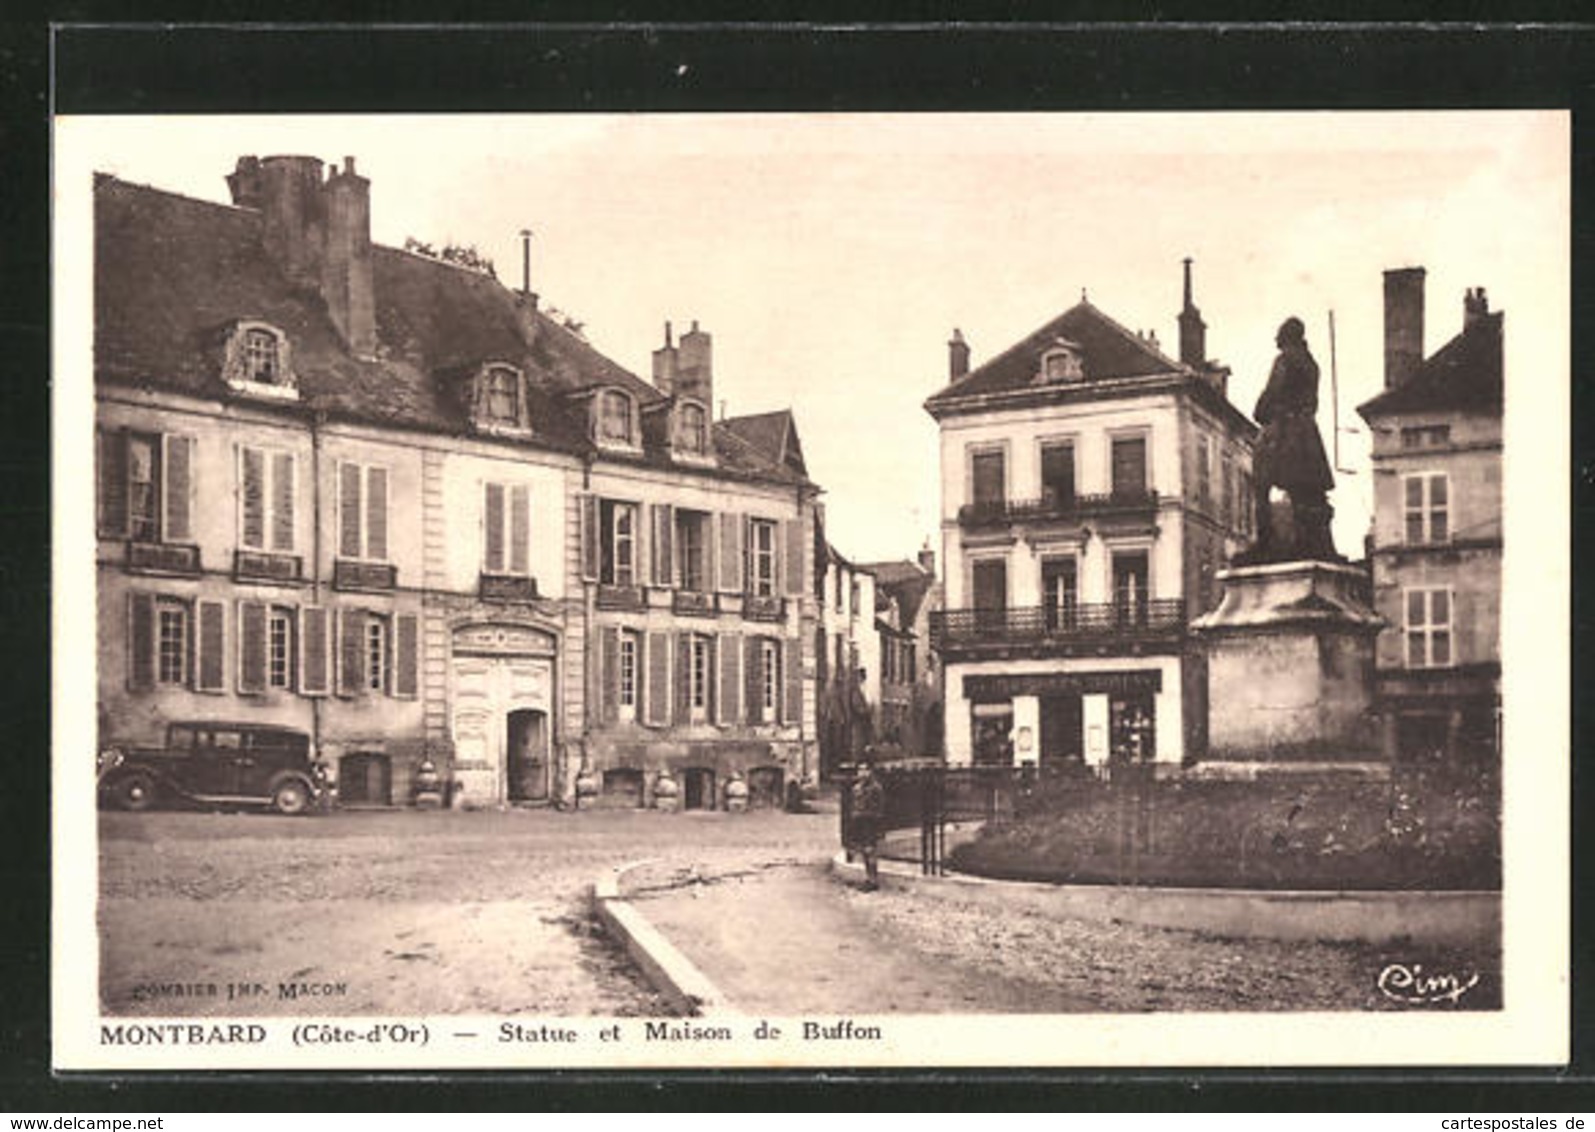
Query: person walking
x=868, y=810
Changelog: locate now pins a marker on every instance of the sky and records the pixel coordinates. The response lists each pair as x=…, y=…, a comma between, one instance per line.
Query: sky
x=831, y=256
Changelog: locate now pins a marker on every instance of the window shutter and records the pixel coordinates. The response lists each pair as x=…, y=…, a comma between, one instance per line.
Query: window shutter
x=377, y=513
x=405, y=655
x=730, y=552
x=282, y=491
x=252, y=491
x=351, y=652
x=113, y=482
x=251, y=646
x=664, y=561
x=792, y=697
x=315, y=651
x=520, y=529
x=349, y=510
x=683, y=677
x=141, y=641
x=658, y=678
x=753, y=683
x=589, y=536
x=730, y=702
x=211, y=669
x=493, y=523
x=179, y=461
x=794, y=557
x=609, y=648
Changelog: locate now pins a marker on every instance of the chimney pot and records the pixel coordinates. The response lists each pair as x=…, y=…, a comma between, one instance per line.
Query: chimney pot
x=957, y=356
x=1193, y=331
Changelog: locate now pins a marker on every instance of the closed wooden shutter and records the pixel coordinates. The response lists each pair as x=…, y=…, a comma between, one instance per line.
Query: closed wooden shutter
x=112, y=467
x=664, y=561
x=493, y=529
x=406, y=655
x=792, y=692
x=729, y=707
x=1129, y=466
x=315, y=651
x=349, y=510
x=140, y=641
x=588, y=505
x=609, y=682
x=794, y=557
x=377, y=513
x=520, y=529
x=753, y=680
x=251, y=646
x=210, y=671
x=351, y=652
x=987, y=474
x=252, y=497
x=179, y=481
x=282, y=492
x=658, y=678
x=683, y=678
x=731, y=572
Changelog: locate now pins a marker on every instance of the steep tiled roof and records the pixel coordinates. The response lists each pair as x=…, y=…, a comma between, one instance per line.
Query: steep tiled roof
x=905, y=581
x=1107, y=349
x=1463, y=375
x=774, y=433
x=174, y=274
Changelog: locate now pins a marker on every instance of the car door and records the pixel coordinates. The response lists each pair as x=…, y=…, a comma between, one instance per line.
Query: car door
x=264, y=754
x=216, y=766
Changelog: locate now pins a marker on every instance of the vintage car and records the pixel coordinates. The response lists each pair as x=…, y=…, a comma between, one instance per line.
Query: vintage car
x=217, y=765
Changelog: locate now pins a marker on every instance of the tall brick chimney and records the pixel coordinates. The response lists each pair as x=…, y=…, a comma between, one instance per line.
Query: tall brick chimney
x=694, y=366
x=1193, y=331
x=318, y=232
x=1403, y=323
x=665, y=360
x=957, y=356
x=1475, y=306
x=346, y=265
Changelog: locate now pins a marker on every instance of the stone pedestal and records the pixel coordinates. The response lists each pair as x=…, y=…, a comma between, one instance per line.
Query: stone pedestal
x=1290, y=669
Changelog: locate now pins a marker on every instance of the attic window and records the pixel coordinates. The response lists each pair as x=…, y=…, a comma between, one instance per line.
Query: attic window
x=1061, y=363
x=692, y=430
x=616, y=419
x=257, y=361
x=502, y=396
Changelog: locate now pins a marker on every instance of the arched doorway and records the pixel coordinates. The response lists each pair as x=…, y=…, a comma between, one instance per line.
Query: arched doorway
x=502, y=712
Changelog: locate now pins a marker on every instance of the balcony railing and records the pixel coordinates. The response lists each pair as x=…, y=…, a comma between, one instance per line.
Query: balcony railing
x=614, y=596
x=691, y=603
x=997, y=512
x=349, y=574
x=507, y=587
x=1042, y=624
x=273, y=567
x=763, y=608
x=163, y=557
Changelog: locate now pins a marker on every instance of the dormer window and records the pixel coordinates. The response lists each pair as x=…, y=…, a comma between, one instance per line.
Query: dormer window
x=617, y=423
x=257, y=361
x=1061, y=362
x=502, y=397
x=692, y=430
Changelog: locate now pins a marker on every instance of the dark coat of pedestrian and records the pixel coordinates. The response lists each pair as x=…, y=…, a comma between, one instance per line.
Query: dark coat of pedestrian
x=867, y=812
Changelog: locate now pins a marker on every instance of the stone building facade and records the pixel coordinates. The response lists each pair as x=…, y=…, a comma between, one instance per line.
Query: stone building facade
x=1437, y=530
x=1092, y=489
x=357, y=491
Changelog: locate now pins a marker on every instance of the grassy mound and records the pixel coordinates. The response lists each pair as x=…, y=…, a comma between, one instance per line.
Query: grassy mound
x=1426, y=828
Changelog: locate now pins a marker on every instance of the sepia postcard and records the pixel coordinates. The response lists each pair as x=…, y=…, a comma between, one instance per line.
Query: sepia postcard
x=681, y=591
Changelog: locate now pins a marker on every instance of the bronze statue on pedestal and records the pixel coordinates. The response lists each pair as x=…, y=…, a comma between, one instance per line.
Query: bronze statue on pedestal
x=1290, y=455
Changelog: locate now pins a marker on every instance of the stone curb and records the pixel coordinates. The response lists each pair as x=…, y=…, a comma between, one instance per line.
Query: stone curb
x=1450, y=918
x=673, y=975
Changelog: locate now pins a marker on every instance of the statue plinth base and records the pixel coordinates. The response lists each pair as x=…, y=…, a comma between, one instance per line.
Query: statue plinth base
x=1290, y=664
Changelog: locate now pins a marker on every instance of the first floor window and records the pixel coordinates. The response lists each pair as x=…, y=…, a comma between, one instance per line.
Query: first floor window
x=280, y=648
x=618, y=543
x=770, y=682
x=1429, y=628
x=1427, y=507
x=762, y=535
x=171, y=649
x=692, y=550
x=506, y=529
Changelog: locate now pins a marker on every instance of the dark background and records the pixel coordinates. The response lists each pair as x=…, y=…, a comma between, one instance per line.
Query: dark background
x=1118, y=57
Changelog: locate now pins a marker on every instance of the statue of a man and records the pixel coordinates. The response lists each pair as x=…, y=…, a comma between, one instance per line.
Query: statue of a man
x=1290, y=455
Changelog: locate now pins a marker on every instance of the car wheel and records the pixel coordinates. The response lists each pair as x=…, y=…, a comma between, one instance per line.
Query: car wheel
x=291, y=797
x=136, y=791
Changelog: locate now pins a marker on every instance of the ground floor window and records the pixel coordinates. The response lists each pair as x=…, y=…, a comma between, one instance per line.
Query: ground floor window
x=1130, y=724
x=992, y=734
x=171, y=655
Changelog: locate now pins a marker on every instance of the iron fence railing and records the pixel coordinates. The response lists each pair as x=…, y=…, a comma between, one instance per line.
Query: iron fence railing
x=1055, y=622
x=994, y=512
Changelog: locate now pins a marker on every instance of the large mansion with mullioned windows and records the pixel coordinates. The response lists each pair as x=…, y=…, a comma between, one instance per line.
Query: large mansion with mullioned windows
x=380, y=497
x=1092, y=489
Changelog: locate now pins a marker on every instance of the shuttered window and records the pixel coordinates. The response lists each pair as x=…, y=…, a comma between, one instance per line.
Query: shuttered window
x=506, y=529
x=731, y=552
x=179, y=488
x=146, y=486
x=792, y=692
x=111, y=466
x=662, y=521
x=406, y=656
x=251, y=647
x=315, y=656
x=159, y=644
x=729, y=708
x=795, y=546
x=363, y=512
x=588, y=518
x=266, y=490
x=658, y=682
x=761, y=557
x=614, y=686
x=141, y=641
x=211, y=663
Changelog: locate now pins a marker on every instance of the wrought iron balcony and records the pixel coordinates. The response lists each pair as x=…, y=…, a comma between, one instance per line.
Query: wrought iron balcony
x=999, y=512
x=614, y=596
x=767, y=608
x=163, y=557
x=1044, y=624
x=507, y=587
x=349, y=574
x=692, y=603
x=249, y=564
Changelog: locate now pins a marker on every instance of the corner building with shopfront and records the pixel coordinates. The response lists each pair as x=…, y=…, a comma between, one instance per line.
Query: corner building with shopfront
x=1092, y=488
